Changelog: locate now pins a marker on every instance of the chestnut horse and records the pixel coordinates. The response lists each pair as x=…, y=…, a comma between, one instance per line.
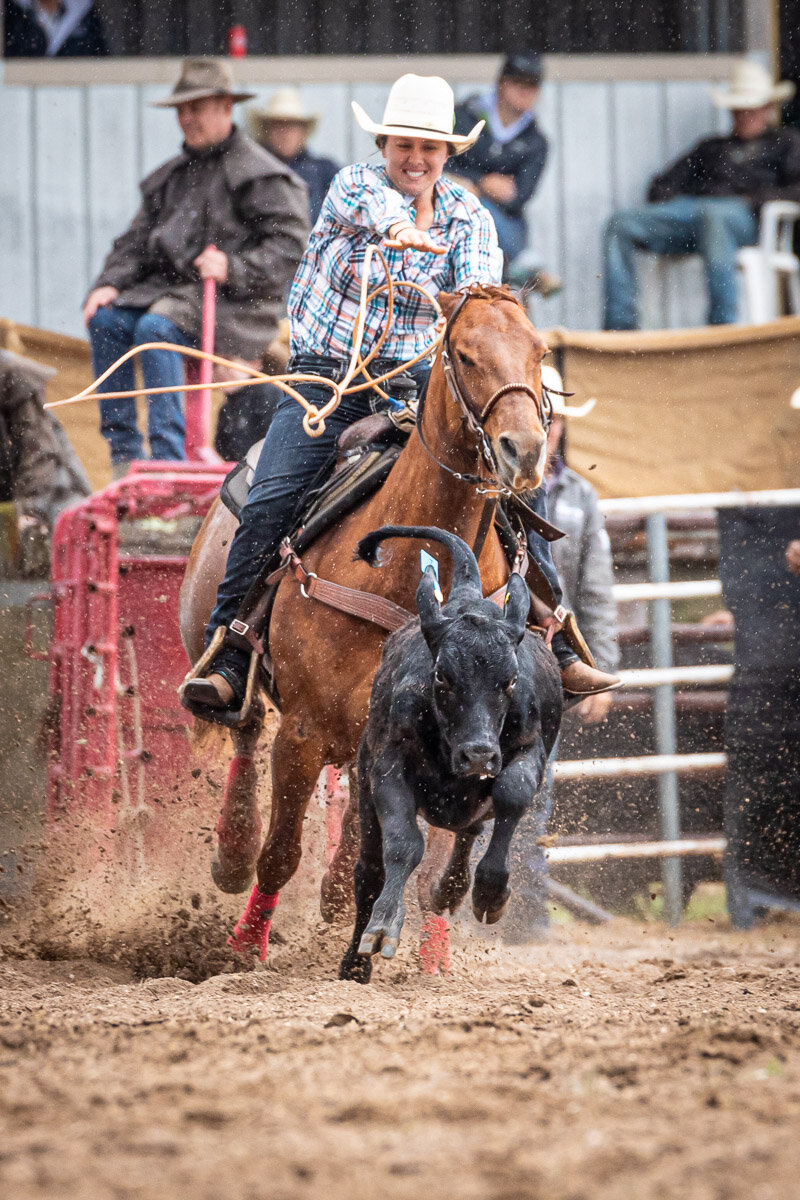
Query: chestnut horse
x=324, y=659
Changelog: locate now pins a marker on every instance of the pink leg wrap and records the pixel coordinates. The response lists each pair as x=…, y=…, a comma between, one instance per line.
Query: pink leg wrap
x=252, y=928
x=239, y=832
x=434, y=945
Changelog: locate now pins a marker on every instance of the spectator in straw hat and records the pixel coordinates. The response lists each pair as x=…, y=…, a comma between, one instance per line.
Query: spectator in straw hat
x=222, y=209
x=708, y=202
x=283, y=128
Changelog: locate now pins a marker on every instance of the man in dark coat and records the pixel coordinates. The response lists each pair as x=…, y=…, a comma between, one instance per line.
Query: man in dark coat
x=505, y=164
x=708, y=201
x=50, y=28
x=223, y=209
x=283, y=128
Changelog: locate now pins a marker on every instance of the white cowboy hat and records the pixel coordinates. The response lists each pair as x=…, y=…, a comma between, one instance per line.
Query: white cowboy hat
x=420, y=106
x=751, y=87
x=552, y=380
x=284, y=105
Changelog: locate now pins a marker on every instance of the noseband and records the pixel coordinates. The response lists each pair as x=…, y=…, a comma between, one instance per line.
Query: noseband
x=474, y=417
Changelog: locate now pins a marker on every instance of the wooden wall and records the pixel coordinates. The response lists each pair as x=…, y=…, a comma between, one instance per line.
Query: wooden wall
x=72, y=156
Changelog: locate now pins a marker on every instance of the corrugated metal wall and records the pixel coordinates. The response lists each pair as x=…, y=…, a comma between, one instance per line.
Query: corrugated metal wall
x=72, y=157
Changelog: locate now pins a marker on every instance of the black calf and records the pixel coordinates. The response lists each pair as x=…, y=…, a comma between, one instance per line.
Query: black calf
x=465, y=709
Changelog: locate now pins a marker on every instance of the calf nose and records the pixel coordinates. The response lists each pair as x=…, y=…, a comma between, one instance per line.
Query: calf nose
x=521, y=458
x=477, y=758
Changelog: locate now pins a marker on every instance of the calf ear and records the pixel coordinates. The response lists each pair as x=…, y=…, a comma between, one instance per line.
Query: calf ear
x=516, y=607
x=431, y=620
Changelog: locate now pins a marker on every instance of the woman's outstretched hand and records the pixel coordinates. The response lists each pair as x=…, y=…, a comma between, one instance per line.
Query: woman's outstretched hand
x=408, y=237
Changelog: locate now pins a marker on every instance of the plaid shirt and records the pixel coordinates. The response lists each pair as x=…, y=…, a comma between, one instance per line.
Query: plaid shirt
x=359, y=209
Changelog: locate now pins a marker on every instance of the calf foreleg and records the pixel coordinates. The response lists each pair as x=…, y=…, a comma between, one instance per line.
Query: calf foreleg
x=403, y=846
x=513, y=794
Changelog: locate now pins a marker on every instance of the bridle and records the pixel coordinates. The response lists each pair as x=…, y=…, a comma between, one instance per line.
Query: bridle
x=476, y=418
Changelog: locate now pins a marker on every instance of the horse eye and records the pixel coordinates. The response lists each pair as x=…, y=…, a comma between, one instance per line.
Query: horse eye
x=512, y=683
x=439, y=679
x=465, y=359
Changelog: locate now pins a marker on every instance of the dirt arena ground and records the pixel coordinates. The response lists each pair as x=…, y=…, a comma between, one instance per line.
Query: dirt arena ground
x=629, y=1061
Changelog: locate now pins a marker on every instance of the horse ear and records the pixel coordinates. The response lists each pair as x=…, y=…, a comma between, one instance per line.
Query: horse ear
x=516, y=607
x=431, y=621
x=448, y=301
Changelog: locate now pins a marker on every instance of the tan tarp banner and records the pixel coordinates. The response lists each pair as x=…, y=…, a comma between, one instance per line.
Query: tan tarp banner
x=685, y=410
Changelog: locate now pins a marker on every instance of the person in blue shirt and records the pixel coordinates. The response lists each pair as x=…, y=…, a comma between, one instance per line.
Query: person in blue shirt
x=505, y=165
x=283, y=128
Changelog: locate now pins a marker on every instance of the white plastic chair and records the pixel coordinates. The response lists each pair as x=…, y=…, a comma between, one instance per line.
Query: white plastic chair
x=767, y=264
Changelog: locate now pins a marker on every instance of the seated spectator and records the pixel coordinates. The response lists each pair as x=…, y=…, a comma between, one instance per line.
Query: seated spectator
x=283, y=128
x=50, y=28
x=583, y=562
x=223, y=209
x=708, y=202
x=504, y=166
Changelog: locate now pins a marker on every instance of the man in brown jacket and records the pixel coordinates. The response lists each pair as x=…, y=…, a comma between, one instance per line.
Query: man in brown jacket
x=224, y=209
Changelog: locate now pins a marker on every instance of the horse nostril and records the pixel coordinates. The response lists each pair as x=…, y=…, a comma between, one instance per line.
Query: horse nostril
x=508, y=448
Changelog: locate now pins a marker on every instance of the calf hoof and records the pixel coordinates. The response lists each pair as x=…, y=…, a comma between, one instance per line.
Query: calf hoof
x=372, y=943
x=355, y=967
x=489, y=915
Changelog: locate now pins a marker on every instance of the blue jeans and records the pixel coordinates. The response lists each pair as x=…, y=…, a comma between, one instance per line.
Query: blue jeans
x=112, y=331
x=512, y=232
x=714, y=227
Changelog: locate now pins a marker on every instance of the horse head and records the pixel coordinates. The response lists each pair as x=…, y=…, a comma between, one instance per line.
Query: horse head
x=491, y=359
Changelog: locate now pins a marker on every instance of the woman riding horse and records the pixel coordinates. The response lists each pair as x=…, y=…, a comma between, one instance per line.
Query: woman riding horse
x=408, y=201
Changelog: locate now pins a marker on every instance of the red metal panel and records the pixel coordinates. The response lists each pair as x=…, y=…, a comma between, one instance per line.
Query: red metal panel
x=118, y=740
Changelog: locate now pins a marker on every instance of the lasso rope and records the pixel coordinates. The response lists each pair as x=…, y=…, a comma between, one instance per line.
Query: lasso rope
x=315, y=416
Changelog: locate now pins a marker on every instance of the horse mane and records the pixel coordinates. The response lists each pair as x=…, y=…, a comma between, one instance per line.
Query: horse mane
x=493, y=291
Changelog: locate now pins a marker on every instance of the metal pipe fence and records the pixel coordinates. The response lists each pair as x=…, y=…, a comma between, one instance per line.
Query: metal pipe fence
x=660, y=591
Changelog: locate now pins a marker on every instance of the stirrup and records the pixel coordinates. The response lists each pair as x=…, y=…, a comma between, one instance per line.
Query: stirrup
x=252, y=709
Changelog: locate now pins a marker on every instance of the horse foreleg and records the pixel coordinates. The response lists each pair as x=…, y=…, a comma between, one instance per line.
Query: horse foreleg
x=296, y=764
x=336, y=892
x=239, y=826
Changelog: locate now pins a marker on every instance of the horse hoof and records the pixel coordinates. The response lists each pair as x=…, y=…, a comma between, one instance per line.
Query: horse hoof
x=389, y=948
x=231, y=879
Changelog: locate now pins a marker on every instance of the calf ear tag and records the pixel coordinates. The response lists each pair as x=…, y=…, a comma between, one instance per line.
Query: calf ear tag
x=425, y=561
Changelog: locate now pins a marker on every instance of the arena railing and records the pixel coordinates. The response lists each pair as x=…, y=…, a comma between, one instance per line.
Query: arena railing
x=660, y=591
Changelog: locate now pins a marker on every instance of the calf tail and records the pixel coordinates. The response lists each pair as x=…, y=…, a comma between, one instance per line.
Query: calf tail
x=465, y=565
